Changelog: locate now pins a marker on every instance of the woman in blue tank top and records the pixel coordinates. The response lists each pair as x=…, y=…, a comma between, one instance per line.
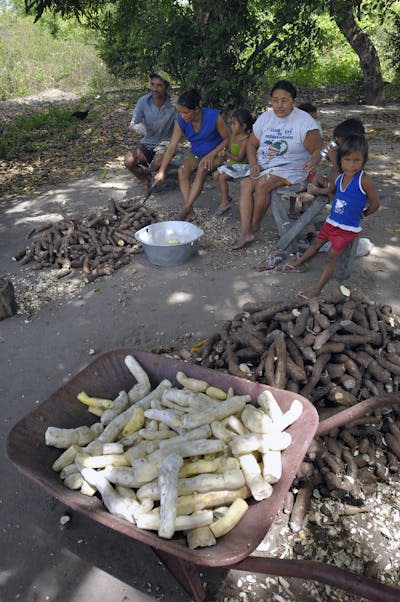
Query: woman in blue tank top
x=208, y=136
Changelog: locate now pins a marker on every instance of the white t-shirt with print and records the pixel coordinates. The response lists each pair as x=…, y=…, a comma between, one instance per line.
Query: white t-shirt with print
x=281, y=150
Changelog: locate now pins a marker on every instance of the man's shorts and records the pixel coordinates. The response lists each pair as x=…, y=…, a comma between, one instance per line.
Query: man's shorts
x=148, y=151
x=338, y=237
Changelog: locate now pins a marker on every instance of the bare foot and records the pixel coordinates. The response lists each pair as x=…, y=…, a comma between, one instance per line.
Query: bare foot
x=186, y=215
x=306, y=197
x=243, y=242
x=304, y=296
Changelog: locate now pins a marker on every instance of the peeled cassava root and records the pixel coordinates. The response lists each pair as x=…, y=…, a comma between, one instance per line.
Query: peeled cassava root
x=334, y=352
x=211, y=450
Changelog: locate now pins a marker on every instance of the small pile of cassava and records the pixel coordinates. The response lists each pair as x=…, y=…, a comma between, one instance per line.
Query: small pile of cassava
x=351, y=460
x=176, y=459
x=99, y=242
x=333, y=352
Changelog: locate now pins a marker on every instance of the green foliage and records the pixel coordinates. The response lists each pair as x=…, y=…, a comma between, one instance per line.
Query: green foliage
x=338, y=64
x=65, y=8
x=30, y=133
x=222, y=47
x=231, y=49
x=392, y=42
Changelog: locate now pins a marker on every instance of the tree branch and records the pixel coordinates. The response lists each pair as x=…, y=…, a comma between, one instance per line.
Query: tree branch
x=258, y=49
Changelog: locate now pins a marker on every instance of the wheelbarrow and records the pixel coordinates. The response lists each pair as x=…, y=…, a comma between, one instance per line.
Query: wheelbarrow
x=108, y=375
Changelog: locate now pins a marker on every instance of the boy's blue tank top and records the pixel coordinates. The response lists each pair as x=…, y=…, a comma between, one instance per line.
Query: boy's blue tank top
x=208, y=137
x=348, y=204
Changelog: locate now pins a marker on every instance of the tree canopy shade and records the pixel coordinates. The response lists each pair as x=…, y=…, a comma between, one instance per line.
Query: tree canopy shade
x=222, y=46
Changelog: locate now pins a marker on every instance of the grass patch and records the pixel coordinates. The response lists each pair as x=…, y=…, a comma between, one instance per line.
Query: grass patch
x=48, y=145
x=32, y=59
x=30, y=134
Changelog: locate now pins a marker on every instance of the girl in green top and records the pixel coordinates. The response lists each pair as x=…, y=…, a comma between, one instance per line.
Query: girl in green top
x=236, y=165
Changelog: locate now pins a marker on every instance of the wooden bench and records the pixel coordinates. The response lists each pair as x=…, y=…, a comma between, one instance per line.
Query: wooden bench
x=290, y=231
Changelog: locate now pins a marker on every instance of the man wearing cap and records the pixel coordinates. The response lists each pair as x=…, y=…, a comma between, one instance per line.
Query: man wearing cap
x=153, y=119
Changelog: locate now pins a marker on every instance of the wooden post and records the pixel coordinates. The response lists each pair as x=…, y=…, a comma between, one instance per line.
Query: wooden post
x=8, y=305
x=346, y=260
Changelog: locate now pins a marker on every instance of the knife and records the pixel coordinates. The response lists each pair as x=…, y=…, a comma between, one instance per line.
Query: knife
x=148, y=193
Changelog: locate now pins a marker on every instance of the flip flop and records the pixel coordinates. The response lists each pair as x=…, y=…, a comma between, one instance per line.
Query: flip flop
x=288, y=267
x=222, y=211
x=271, y=262
x=302, y=296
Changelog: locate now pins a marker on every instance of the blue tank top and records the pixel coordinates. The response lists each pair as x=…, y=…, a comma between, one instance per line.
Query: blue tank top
x=208, y=137
x=348, y=204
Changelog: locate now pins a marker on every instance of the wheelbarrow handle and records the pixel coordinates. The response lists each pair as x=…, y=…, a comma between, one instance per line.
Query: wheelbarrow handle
x=325, y=573
x=359, y=409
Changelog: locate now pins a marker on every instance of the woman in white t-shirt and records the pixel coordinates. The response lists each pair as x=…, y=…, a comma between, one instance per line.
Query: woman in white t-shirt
x=281, y=149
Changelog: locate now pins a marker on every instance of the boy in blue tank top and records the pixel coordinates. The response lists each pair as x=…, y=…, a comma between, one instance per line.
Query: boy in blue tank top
x=354, y=197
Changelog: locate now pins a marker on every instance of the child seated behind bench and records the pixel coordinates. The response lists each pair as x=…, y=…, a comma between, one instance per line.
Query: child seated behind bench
x=312, y=110
x=354, y=197
x=319, y=184
x=236, y=165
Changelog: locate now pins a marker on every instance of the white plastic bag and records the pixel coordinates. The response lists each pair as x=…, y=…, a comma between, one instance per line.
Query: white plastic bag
x=364, y=247
x=139, y=129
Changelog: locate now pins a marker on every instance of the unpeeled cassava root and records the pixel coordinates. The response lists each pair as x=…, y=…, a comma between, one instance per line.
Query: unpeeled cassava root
x=335, y=351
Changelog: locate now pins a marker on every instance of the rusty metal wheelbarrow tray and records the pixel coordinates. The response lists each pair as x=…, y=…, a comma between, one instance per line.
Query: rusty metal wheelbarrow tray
x=105, y=377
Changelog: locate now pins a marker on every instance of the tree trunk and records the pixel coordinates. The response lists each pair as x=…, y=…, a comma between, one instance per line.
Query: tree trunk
x=369, y=60
x=8, y=305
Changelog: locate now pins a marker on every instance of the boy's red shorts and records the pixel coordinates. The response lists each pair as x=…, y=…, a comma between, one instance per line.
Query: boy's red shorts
x=338, y=237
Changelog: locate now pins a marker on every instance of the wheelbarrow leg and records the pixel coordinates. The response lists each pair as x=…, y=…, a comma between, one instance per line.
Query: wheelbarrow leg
x=185, y=573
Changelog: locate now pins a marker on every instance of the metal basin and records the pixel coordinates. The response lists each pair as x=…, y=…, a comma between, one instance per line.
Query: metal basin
x=169, y=243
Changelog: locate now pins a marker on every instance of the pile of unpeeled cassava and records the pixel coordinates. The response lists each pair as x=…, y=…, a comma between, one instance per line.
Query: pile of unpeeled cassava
x=98, y=242
x=351, y=459
x=333, y=352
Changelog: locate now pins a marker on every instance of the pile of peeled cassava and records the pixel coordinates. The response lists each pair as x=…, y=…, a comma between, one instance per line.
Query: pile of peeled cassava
x=176, y=459
x=333, y=352
x=98, y=243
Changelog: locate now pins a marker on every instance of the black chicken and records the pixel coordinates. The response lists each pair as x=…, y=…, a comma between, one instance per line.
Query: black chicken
x=81, y=114
x=85, y=112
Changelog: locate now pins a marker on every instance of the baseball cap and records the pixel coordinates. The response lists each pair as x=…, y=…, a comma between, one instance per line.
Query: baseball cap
x=161, y=74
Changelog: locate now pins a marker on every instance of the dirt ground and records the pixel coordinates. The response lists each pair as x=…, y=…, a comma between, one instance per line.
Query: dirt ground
x=63, y=325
